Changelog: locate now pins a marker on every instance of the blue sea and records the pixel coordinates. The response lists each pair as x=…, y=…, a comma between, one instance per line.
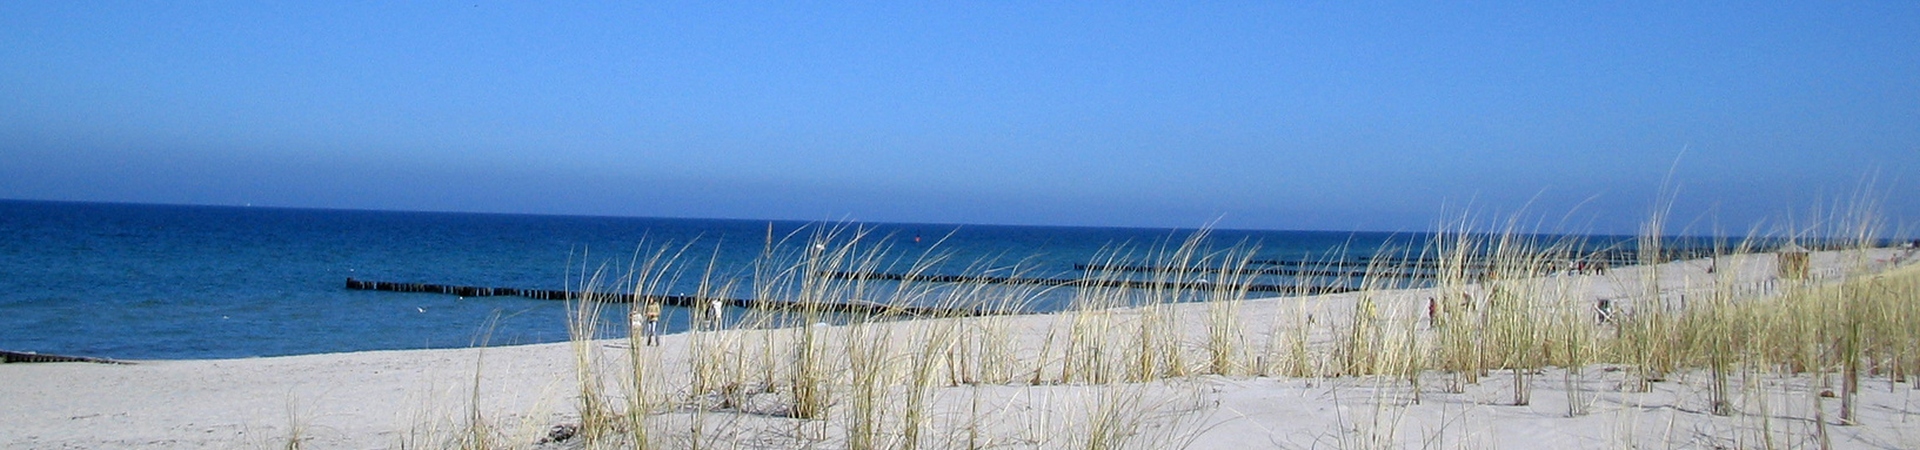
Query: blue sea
x=135, y=281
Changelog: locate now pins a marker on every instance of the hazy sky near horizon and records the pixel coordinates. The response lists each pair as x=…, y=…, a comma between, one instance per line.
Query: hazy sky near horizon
x=1277, y=115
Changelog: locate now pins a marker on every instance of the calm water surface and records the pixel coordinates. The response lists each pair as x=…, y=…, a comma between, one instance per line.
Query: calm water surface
x=177, y=282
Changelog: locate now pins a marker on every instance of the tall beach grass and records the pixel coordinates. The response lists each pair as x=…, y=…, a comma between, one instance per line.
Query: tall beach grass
x=1126, y=366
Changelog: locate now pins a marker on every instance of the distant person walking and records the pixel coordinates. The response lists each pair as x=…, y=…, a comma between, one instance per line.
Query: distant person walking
x=653, y=324
x=637, y=323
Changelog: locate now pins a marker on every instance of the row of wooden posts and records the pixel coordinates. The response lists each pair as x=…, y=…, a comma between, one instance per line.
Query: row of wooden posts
x=682, y=301
x=1793, y=262
x=31, y=357
x=463, y=291
x=1198, y=285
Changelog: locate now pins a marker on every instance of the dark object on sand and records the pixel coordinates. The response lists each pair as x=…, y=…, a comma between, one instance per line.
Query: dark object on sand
x=560, y=433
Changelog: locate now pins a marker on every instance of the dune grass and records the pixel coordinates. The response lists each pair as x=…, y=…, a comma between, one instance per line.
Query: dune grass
x=1509, y=306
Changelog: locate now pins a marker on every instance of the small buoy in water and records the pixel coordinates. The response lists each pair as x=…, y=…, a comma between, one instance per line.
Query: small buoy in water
x=416, y=308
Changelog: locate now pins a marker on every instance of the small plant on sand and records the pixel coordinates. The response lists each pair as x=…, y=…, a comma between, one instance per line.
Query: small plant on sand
x=597, y=417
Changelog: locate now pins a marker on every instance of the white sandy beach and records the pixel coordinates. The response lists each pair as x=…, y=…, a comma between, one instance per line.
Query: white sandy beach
x=419, y=398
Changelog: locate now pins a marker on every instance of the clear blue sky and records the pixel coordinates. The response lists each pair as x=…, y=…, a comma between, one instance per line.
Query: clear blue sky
x=1326, y=115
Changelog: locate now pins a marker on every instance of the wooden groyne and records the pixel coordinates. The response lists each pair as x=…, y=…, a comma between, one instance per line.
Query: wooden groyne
x=31, y=357
x=683, y=301
x=1068, y=282
x=463, y=291
x=1599, y=258
x=1292, y=271
x=1362, y=264
x=1405, y=264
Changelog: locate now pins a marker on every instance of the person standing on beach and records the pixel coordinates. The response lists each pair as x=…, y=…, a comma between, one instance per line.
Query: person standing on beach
x=638, y=324
x=653, y=323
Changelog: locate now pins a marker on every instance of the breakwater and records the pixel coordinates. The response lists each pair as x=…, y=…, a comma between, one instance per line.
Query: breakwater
x=1076, y=282
x=31, y=357
x=682, y=301
x=1294, y=271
